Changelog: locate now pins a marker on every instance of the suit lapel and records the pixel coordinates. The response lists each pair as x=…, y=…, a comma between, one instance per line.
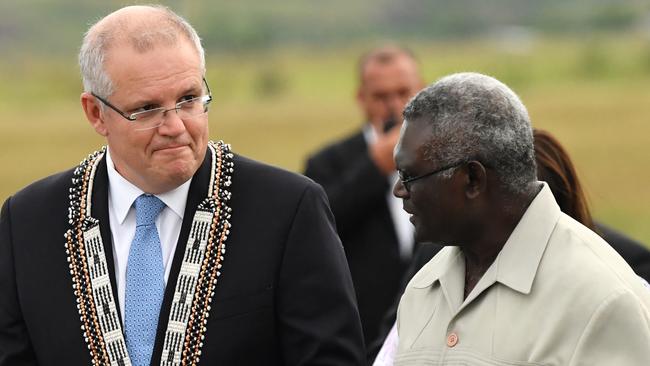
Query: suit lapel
x=100, y=212
x=198, y=192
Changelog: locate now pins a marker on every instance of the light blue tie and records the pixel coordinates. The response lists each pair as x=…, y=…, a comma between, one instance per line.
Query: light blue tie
x=145, y=283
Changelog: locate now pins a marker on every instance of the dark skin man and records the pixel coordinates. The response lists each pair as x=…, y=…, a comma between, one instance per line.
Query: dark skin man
x=469, y=210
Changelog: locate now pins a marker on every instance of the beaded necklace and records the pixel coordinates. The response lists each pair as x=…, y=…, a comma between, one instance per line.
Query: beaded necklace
x=197, y=279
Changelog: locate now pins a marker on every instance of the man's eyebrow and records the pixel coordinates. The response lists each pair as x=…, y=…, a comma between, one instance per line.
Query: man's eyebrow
x=138, y=102
x=194, y=89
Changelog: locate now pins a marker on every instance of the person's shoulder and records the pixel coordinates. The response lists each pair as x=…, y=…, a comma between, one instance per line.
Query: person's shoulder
x=253, y=173
x=585, y=263
x=273, y=192
x=46, y=188
x=39, y=200
x=630, y=249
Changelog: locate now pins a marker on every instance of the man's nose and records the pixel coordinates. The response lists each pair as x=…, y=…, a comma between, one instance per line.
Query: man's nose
x=172, y=123
x=399, y=190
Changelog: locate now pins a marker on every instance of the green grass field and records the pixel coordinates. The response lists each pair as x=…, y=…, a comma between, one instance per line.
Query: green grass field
x=278, y=106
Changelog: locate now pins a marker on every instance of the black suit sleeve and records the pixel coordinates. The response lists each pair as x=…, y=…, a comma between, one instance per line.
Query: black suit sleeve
x=318, y=317
x=353, y=188
x=15, y=346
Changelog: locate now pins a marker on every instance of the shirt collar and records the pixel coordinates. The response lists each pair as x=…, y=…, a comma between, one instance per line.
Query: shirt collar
x=517, y=263
x=123, y=193
x=369, y=133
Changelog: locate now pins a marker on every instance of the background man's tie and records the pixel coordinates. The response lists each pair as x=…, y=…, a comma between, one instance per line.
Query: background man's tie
x=144, y=282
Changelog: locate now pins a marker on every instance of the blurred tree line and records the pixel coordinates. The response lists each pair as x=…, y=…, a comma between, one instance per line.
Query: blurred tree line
x=56, y=25
x=287, y=68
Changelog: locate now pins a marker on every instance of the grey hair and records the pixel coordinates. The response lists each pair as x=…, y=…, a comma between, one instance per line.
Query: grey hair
x=474, y=116
x=142, y=37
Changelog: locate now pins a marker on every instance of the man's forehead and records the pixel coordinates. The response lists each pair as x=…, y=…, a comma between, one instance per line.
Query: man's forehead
x=400, y=68
x=418, y=130
x=139, y=27
x=413, y=142
x=164, y=69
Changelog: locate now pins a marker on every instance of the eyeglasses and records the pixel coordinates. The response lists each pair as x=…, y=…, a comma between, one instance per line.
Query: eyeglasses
x=407, y=181
x=146, y=118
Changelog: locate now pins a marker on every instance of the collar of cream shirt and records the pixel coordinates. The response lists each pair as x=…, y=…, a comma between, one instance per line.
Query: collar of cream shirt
x=517, y=263
x=123, y=193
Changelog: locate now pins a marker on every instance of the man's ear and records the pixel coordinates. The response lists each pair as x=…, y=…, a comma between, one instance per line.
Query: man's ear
x=476, y=179
x=361, y=98
x=92, y=109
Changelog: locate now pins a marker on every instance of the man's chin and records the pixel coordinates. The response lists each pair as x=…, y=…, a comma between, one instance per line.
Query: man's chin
x=181, y=175
x=176, y=173
x=422, y=236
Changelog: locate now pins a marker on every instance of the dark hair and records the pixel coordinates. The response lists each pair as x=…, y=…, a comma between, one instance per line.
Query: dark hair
x=555, y=168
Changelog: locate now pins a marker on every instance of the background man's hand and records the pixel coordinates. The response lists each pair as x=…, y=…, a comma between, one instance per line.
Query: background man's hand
x=381, y=151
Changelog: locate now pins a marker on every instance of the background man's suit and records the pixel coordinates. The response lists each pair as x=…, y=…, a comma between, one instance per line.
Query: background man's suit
x=284, y=296
x=357, y=193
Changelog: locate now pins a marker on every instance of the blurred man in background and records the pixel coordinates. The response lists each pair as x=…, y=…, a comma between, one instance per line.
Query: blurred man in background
x=122, y=259
x=358, y=173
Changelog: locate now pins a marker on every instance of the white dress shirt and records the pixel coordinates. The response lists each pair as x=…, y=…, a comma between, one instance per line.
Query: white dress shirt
x=121, y=196
x=403, y=227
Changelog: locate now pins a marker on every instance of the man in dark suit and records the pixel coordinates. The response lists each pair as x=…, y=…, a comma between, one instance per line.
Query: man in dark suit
x=357, y=174
x=122, y=260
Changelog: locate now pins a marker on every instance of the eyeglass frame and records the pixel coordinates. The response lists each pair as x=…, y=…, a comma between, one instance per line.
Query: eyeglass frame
x=407, y=182
x=131, y=118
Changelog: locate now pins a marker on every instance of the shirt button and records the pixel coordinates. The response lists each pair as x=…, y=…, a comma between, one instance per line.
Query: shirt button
x=452, y=339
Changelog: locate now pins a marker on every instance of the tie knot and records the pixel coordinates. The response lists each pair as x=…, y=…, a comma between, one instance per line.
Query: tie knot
x=147, y=208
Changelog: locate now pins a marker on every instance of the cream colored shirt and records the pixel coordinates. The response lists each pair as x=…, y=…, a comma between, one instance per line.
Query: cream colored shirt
x=556, y=294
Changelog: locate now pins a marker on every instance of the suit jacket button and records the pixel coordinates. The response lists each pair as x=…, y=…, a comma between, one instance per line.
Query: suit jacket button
x=452, y=339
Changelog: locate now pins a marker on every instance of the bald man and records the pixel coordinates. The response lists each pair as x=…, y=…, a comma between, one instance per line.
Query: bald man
x=122, y=260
